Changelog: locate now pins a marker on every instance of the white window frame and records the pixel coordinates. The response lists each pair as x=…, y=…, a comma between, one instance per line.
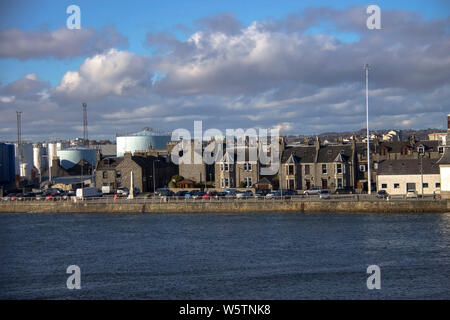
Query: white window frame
x=339, y=168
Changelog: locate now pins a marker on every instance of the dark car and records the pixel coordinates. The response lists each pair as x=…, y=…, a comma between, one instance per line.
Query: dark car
x=262, y=192
x=166, y=193
x=343, y=191
x=28, y=195
x=382, y=194
x=181, y=193
x=10, y=196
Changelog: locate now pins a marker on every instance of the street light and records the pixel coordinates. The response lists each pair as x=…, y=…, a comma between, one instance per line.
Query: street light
x=154, y=174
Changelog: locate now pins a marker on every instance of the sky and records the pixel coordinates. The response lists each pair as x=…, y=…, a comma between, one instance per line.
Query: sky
x=295, y=65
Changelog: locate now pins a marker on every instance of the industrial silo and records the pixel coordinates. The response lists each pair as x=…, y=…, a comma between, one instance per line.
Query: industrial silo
x=39, y=157
x=27, y=157
x=141, y=141
x=51, y=147
x=71, y=156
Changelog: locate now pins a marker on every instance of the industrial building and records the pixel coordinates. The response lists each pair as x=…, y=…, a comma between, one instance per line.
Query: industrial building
x=7, y=163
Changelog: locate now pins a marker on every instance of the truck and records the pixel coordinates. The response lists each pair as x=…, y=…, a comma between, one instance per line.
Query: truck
x=107, y=190
x=87, y=192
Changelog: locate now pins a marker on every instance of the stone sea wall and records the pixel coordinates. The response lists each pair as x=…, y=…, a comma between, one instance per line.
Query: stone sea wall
x=332, y=206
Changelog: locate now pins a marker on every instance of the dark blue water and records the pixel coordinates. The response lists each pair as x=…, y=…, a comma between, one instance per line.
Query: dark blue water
x=225, y=256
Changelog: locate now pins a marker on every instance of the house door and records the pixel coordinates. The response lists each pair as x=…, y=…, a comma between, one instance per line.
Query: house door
x=291, y=184
x=307, y=184
x=324, y=184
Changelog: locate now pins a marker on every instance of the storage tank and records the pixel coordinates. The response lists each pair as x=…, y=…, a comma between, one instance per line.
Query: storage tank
x=51, y=147
x=27, y=154
x=71, y=156
x=141, y=141
x=39, y=157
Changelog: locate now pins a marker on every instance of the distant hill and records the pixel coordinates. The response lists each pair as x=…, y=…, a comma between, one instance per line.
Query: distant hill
x=421, y=134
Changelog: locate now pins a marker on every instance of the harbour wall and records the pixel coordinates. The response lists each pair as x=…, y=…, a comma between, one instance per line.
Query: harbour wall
x=331, y=206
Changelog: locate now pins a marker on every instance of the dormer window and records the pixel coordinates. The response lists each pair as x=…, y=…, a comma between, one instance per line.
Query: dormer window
x=421, y=150
x=441, y=150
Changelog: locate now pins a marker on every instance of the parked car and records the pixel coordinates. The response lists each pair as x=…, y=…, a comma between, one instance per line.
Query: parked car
x=382, y=194
x=343, y=191
x=262, y=192
x=181, y=193
x=324, y=194
x=210, y=194
x=166, y=193
x=273, y=194
x=244, y=194
x=123, y=192
x=411, y=194
x=28, y=195
x=312, y=191
x=10, y=196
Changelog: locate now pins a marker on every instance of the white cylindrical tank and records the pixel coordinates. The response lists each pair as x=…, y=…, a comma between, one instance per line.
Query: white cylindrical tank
x=38, y=153
x=24, y=171
x=71, y=156
x=140, y=141
x=27, y=157
x=51, y=152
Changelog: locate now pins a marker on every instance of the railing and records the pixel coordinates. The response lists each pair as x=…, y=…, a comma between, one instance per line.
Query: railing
x=174, y=199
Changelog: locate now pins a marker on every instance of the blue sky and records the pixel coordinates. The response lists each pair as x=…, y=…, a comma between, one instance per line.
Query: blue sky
x=135, y=18
x=212, y=73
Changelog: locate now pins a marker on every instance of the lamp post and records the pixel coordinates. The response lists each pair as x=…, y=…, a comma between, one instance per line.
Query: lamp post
x=421, y=171
x=369, y=182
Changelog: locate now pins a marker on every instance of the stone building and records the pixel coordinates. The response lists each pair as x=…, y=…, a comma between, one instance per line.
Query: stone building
x=149, y=172
x=327, y=167
x=192, y=165
x=232, y=171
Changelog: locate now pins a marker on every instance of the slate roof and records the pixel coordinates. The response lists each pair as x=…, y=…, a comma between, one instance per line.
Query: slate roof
x=306, y=154
x=109, y=163
x=301, y=154
x=407, y=166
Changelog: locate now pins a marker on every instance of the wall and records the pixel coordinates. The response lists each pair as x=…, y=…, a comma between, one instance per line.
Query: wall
x=126, y=206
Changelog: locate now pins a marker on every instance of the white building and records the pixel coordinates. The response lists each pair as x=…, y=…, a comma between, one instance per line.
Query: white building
x=399, y=176
x=444, y=165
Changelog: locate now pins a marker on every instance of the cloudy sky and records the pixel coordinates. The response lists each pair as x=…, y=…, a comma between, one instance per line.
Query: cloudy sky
x=232, y=64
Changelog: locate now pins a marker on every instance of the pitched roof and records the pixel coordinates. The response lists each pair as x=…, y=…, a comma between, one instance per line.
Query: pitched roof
x=407, y=166
x=445, y=159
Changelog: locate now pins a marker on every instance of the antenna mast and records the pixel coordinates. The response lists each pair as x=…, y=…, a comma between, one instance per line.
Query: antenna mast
x=85, y=125
x=19, y=136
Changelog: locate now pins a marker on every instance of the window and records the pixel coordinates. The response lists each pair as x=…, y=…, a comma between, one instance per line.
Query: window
x=441, y=150
x=291, y=169
x=221, y=167
x=425, y=185
x=362, y=167
x=339, y=183
x=222, y=183
x=118, y=174
x=227, y=184
x=306, y=168
x=105, y=174
x=383, y=185
x=245, y=166
x=324, y=169
x=438, y=184
x=396, y=185
x=226, y=167
x=339, y=168
x=248, y=182
x=421, y=150
x=249, y=166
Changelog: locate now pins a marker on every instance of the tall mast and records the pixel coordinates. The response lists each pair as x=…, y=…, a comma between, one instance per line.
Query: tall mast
x=369, y=182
